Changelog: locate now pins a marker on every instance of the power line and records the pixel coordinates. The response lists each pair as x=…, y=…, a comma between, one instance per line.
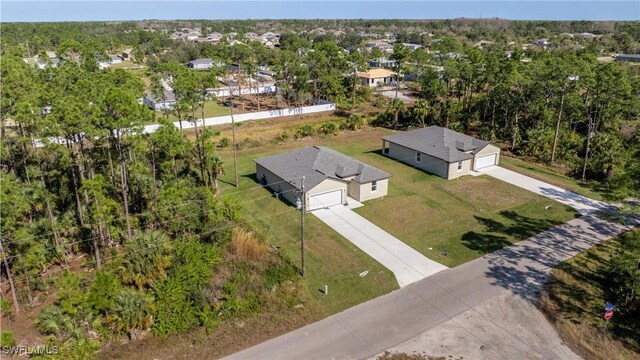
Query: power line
x=25, y=276
x=146, y=227
x=147, y=212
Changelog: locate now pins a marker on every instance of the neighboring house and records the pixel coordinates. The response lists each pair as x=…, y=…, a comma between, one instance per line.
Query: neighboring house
x=412, y=47
x=200, y=64
x=441, y=151
x=383, y=62
x=544, y=43
x=115, y=59
x=52, y=62
x=628, y=57
x=166, y=102
x=329, y=177
x=374, y=77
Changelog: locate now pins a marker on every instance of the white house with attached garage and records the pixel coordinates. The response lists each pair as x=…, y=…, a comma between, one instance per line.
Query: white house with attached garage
x=329, y=177
x=441, y=151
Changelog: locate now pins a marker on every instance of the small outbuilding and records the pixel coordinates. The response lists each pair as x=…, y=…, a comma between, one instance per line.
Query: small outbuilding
x=441, y=151
x=329, y=177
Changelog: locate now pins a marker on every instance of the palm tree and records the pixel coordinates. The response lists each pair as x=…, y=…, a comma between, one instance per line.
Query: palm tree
x=420, y=112
x=148, y=257
x=396, y=106
x=217, y=169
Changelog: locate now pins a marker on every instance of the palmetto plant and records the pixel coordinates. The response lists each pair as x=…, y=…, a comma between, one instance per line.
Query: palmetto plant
x=130, y=310
x=53, y=320
x=148, y=257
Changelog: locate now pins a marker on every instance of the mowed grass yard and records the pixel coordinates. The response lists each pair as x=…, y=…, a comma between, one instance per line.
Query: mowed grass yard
x=463, y=218
x=330, y=259
x=552, y=177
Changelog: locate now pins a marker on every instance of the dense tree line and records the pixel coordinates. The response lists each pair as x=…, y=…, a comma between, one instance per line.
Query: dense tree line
x=84, y=188
x=545, y=108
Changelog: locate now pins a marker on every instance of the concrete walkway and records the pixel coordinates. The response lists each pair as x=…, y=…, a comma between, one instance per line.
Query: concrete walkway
x=407, y=264
x=380, y=324
x=582, y=204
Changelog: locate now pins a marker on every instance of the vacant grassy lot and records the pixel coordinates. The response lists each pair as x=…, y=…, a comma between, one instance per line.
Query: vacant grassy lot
x=575, y=298
x=552, y=176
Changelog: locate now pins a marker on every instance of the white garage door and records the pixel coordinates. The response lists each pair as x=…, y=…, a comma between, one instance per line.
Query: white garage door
x=326, y=199
x=485, y=161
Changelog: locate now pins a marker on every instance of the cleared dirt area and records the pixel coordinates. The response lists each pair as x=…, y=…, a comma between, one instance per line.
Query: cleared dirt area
x=506, y=327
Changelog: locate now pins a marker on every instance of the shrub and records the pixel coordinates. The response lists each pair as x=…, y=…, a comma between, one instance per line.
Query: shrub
x=5, y=308
x=305, y=131
x=130, y=310
x=282, y=137
x=245, y=246
x=353, y=122
x=178, y=308
x=7, y=339
x=329, y=128
x=380, y=102
x=278, y=274
x=148, y=255
x=102, y=291
x=224, y=142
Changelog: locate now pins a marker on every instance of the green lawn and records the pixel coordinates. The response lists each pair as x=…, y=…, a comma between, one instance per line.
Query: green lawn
x=547, y=174
x=465, y=218
x=329, y=258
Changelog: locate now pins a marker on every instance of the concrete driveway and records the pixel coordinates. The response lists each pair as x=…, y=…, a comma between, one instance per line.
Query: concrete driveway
x=372, y=327
x=582, y=204
x=407, y=264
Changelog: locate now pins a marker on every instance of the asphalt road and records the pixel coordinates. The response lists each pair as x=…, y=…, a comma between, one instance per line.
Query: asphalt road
x=381, y=323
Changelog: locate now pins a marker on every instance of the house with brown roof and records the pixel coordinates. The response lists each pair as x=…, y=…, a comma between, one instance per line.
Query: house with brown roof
x=373, y=77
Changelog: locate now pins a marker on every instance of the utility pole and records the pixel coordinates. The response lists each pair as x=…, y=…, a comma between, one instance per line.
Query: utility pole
x=233, y=138
x=304, y=209
x=586, y=153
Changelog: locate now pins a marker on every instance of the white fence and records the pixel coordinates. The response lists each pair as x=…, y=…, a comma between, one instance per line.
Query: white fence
x=220, y=120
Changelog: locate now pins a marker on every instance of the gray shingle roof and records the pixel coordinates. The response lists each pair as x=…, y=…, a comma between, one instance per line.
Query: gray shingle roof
x=439, y=142
x=317, y=164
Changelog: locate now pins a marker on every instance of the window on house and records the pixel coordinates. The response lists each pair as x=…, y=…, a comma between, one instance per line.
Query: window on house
x=459, y=165
x=374, y=186
x=418, y=157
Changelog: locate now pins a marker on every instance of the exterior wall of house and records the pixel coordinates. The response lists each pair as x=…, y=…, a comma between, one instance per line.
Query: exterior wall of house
x=159, y=105
x=201, y=66
x=328, y=185
x=489, y=149
x=453, y=169
x=362, y=192
x=376, y=81
x=427, y=163
x=286, y=190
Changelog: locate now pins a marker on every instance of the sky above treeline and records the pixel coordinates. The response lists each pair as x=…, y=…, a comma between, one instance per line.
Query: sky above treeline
x=96, y=10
